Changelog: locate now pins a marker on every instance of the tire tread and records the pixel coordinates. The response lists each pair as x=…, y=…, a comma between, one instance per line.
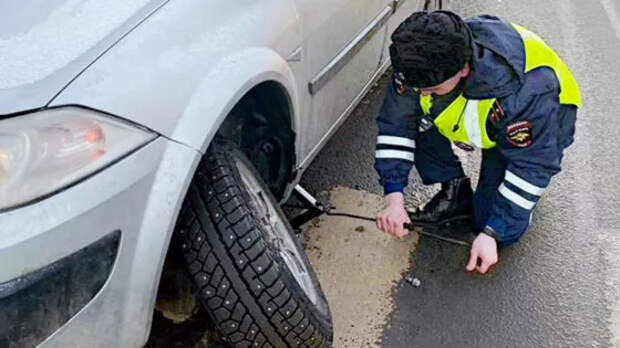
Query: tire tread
x=238, y=276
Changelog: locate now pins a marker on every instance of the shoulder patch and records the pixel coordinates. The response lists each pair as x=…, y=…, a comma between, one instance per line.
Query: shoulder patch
x=519, y=133
x=496, y=114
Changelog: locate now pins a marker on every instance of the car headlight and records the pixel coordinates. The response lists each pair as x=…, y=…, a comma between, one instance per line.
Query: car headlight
x=43, y=152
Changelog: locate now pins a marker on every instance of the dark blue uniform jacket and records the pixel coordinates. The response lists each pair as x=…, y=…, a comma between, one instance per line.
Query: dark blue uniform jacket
x=497, y=72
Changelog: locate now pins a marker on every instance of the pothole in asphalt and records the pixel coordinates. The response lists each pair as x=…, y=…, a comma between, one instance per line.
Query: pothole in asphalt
x=358, y=266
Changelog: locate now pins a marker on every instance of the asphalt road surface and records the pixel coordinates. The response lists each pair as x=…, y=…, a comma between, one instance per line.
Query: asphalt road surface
x=560, y=286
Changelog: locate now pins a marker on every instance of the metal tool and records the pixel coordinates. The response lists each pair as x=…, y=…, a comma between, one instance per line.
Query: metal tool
x=315, y=208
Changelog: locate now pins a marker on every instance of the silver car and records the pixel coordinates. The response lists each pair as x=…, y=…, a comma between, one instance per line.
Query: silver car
x=133, y=133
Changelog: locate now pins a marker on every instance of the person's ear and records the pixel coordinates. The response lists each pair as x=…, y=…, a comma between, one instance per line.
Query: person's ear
x=465, y=71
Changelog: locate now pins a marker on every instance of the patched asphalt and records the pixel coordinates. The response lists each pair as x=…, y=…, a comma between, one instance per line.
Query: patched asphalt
x=357, y=266
x=560, y=286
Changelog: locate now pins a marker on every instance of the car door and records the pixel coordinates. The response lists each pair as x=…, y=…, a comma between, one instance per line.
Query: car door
x=342, y=46
x=402, y=10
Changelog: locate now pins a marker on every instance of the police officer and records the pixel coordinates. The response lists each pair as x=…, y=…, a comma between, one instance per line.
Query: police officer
x=480, y=83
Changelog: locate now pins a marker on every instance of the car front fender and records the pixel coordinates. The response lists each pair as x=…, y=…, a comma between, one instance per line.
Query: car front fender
x=182, y=70
x=237, y=74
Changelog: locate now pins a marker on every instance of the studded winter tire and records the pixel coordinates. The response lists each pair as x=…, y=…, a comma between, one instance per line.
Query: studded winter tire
x=251, y=273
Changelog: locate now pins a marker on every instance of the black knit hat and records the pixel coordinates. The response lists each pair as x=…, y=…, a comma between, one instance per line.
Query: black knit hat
x=430, y=47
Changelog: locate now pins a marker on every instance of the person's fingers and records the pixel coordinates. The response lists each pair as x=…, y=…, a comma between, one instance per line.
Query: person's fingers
x=402, y=233
x=484, y=267
x=403, y=230
x=492, y=263
x=473, y=259
x=393, y=227
x=380, y=222
x=397, y=227
x=386, y=225
x=398, y=231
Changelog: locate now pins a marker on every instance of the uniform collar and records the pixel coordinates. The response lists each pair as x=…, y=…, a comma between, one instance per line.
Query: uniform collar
x=498, y=59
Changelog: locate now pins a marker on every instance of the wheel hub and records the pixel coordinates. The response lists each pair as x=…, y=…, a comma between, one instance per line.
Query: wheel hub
x=277, y=232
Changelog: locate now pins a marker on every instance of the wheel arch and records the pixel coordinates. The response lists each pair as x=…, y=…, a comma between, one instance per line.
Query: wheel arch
x=250, y=71
x=257, y=70
x=262, y=124
x=274, y=80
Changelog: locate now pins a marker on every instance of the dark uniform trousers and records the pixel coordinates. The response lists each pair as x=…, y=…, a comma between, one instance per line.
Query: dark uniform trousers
x=436, y=163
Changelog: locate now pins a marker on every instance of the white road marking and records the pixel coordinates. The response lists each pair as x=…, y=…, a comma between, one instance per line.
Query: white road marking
x=606, y=238
x=614, y=20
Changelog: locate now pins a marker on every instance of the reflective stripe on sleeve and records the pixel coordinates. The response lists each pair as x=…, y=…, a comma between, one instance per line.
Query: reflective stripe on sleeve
x=523, y=185
x=516, y=198
x=472, y=126
x=398, y=141
x=405, y=155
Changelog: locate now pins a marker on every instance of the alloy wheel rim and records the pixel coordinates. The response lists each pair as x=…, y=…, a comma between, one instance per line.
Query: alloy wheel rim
x=277, y=232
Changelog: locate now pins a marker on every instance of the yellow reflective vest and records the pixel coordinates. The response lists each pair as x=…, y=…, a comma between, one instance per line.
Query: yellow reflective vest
x=464, y=120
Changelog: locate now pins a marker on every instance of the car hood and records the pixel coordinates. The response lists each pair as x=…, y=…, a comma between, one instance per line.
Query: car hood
x=45, y=44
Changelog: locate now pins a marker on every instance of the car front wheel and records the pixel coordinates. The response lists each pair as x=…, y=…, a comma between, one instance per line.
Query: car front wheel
x=250, y=270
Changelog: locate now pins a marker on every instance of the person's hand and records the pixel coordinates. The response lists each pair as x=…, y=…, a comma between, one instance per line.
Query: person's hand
x=393, y=217
x=485, y=248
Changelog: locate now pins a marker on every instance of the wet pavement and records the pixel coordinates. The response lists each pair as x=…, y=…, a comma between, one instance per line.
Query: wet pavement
x=560, y=286
x=357, y=266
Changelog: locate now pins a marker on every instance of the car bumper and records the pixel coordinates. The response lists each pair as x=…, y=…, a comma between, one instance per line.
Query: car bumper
x=116, y=225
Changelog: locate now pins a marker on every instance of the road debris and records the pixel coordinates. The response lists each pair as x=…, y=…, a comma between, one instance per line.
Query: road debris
x=415, y=282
